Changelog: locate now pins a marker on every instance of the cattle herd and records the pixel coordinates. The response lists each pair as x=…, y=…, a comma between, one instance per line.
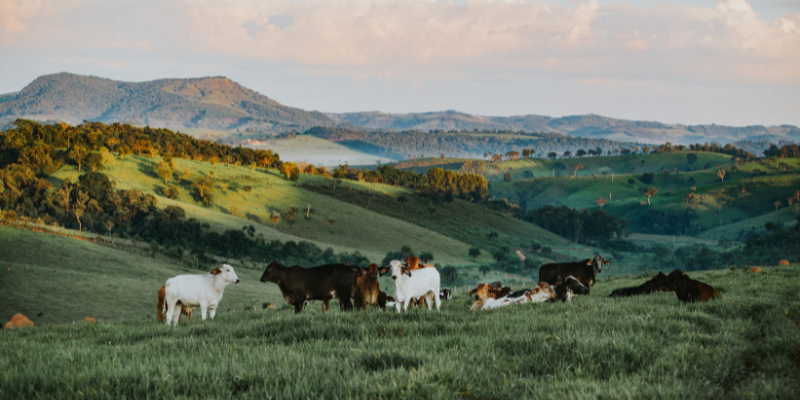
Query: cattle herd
x=415, y=283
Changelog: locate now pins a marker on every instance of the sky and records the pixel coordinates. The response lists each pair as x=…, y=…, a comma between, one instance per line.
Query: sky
x=729, y=62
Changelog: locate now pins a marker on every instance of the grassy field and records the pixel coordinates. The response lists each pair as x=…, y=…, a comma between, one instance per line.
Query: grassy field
x=744, y=346
x=65, y=280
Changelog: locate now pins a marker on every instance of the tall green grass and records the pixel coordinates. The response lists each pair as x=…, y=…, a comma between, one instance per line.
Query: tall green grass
x=744, y=346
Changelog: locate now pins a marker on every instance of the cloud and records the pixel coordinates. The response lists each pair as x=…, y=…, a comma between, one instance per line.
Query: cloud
x=726, y=42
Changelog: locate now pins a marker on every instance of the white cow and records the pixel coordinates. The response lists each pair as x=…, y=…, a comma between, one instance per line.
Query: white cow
x=410, y=284
x=539, y=294
x=197, y=290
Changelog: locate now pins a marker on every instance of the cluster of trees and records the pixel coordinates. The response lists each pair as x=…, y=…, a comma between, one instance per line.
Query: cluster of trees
x=43, y=147
x=778, y=244
x=455, y=143
x=662, y=222
x=591, y=227
x=434, y=182
x=787, y=151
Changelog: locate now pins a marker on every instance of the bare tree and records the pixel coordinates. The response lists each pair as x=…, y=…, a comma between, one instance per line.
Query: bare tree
x=650, y=192
x=721, y=174
x=601, y=201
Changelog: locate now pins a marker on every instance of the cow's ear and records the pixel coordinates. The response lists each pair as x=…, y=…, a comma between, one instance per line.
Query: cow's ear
x=407, y=271
x=382, y=271
x=216, y=271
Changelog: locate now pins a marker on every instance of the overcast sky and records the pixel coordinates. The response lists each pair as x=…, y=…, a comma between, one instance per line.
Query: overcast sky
x=728, y=62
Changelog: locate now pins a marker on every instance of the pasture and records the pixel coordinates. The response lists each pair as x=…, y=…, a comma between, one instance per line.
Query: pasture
x=745, y=346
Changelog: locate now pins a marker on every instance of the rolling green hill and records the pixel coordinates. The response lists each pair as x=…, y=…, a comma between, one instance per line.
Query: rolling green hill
x=54, y=279
x=210, y=103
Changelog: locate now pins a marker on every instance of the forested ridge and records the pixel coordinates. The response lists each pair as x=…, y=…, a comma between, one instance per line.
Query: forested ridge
x=474, y=144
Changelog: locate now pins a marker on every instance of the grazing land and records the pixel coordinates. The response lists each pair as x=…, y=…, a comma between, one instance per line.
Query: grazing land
x=746, y=345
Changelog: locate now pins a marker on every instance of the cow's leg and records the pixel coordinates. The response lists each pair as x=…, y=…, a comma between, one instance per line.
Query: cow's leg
x=346, y=304
x=298, y=307
x=429, y=300
x=406, y=302
x=176, y=314
x=170, y=311
x=203, y=310
x=398, y=305
x=437, y=301
x=212, y=310
x=326, y=305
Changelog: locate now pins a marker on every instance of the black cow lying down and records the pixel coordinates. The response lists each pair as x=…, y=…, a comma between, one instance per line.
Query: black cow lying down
x=657, y=284
x=324, y=283
x=569, y=288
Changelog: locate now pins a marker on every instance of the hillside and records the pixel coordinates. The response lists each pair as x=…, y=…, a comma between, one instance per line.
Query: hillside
x=588, y=126
x=53, y=279
x=740, y=347
x=200, y=103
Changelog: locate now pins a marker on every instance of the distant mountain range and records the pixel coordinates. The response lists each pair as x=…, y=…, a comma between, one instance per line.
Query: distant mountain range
x=203, y=103
x=220, y=104
x=588, y=126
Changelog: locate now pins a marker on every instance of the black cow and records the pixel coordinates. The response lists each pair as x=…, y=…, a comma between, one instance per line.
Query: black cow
x=584, y=271
x=657, y=284
x=324, y=283
x=569, y=288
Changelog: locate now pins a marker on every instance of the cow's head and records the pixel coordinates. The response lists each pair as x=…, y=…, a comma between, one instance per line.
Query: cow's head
x=397, y=269
x=497, y=285
x=482, y=292
x=227, y=274
x=372, y=272
x=674, y=278
x=358, y=272
x=273, y=273
x=597, y=263
x=541, y=293
x=575, y=286
x=659, y=282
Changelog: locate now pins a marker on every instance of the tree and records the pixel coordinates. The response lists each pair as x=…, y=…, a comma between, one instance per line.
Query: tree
x=567, y=154
x=331, y=222
x=777, y=204
x=691, y=159
x=484, y=269
x=106, y=158
x=580, y=153
x=186, y=174
x=289, y=214
x=501, y=255
x=109, y=226
x=474, y=252
x=164, y=171
x=492, y=236
x=552, y=155
x=79, y=154
x=601, y=201
x=79, y=206
x=275, y=218
x=721, y=175
x=308, y=211
x=402, y=199
x=234, y=209
x=507, y=177
x=647, y=178
x=631, y=181
x=650, y=192
x=171, y=192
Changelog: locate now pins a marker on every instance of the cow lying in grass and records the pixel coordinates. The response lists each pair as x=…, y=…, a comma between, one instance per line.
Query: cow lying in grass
x=161, y=316
x=197, y=290
x=568, y=289
x=540, y=293
x=496, y=290
x=657, y=284
x=690, y=290
x=584, y=271
x=413, y=284
x=326, y=282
